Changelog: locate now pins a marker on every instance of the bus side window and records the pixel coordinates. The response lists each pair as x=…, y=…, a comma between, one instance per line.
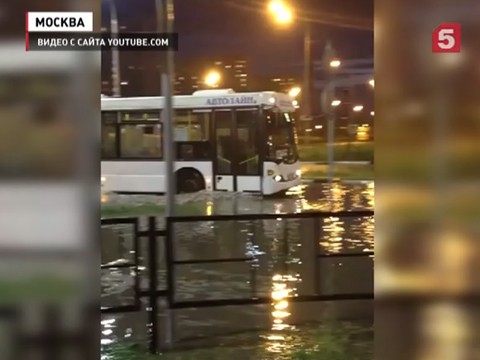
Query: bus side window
x=109, y=135
x=191, y=125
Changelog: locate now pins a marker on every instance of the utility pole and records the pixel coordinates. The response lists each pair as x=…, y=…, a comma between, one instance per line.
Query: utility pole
x=327, y=98
x=306, y=108
x=165, y=24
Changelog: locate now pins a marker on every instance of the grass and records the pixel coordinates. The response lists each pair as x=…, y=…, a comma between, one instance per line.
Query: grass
x=355, y=151
x=343, y=172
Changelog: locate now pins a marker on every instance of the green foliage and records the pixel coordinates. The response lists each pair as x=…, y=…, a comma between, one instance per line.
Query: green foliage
x=355, y=151
x=342, y=172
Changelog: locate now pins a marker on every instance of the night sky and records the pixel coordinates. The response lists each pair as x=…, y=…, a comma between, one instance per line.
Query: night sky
x=215, y=29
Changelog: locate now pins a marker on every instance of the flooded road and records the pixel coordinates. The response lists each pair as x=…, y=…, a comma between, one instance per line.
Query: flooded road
x=283, y=266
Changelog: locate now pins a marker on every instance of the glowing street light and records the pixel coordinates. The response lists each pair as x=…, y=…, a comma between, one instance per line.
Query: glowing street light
x=358, y=108
x=280, y=11
x=294, y=92
x=372, y=83
x=372, y=113
x=212, y=79
x=335, y=63
x=336, y=103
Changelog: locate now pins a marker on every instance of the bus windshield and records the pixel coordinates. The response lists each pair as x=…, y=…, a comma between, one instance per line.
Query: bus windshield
x=280, y=131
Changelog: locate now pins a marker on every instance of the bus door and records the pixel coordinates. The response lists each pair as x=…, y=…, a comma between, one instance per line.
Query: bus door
x=237, y=163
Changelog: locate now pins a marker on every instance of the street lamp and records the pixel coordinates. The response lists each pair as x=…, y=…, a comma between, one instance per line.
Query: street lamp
x=212, y=79
x=336, y=103
x=372, y=83
x=358, y=108
x=280, y=11
x=372, y=113
x=283, y=14
x=294, y=92
x=335, y=63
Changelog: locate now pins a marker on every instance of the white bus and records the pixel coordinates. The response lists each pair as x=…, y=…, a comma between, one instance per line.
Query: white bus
x=224, y=141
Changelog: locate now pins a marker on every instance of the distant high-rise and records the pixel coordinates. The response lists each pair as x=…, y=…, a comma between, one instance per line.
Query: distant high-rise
x=283, y=84
x=234, y=74
x=190, y=76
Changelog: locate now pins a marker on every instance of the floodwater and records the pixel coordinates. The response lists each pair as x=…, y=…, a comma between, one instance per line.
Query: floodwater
x=283, y=266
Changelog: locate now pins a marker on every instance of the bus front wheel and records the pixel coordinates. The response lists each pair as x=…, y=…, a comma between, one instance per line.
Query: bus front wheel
x=189, y=180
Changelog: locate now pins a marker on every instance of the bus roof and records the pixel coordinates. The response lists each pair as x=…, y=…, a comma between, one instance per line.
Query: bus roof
x=204, y=99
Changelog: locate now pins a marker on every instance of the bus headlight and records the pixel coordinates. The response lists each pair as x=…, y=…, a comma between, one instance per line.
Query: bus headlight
x=277, y=178
x=298, y=172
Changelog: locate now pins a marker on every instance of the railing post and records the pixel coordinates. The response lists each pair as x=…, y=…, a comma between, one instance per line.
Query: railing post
x=254, y=263
x=316, y=268
x=153, y=262
x=136, y=251
x=170, y=260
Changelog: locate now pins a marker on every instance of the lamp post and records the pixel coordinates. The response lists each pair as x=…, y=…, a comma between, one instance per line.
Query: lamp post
x=306, y=109
x=283, y=15
x=329, y=104
x=115, y=53
x=165, y=22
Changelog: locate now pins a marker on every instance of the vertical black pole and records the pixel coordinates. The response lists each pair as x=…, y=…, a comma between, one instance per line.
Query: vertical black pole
x=316, y=268
x=307, y=74
x=254, y=263
x=136, y=250
x=153, y=314
x=286, y=246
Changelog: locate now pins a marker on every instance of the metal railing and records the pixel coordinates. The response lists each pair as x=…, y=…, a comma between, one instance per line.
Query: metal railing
x=153, y=293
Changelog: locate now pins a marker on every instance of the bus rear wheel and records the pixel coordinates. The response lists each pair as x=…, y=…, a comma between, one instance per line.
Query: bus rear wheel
x=189, y=180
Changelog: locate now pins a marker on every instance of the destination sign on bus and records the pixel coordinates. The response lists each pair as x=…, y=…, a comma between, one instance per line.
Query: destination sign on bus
x=239, y=100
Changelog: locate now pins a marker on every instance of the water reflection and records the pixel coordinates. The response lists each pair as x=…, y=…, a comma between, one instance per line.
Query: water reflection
x=279, y=340
x=107, y=326
x=302, y=198
x=277, y=247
